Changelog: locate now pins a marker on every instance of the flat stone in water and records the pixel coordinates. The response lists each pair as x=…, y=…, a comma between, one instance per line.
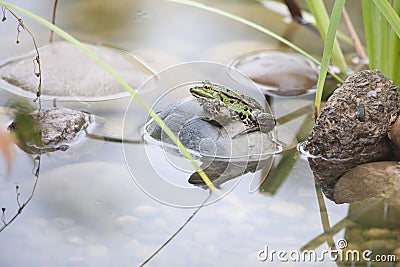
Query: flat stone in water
x=279, y=73
x=375, y=179
x=69, y=74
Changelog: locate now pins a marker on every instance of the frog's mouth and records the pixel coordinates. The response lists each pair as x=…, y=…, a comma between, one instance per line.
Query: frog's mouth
x=199, y=92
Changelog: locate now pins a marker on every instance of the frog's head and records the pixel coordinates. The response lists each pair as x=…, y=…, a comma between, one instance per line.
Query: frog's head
x=204, y=91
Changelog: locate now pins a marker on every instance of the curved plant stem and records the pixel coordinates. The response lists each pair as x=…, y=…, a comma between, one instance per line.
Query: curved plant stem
x=53, y=19
x=318, y=9
x=38, y=73
x=254, y=26
x=121, y=81
x=354, y=36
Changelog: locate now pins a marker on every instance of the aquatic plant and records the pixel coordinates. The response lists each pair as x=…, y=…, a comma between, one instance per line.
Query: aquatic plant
x=329, y=45
x=382, y=29
x=318, y=9
x=382, y=32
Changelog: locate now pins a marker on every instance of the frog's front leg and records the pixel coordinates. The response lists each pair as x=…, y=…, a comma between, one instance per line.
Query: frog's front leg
x=266, y=122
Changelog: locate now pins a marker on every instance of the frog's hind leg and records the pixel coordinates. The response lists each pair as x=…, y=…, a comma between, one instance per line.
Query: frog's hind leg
x=247, y=130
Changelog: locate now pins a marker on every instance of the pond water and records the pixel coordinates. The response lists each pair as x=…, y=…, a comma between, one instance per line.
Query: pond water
x=104, y=203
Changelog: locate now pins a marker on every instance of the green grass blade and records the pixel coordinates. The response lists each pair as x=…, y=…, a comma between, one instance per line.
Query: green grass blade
x=390, y=14
x=119, y=79
x=382, y=39
x=391, y=58
x=254, y=26
x=370, y=35
x=317, y=8
x=328, y=48
x=394, y=43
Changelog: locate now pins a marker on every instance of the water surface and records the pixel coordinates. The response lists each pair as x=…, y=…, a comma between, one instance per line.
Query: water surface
x=88, y=210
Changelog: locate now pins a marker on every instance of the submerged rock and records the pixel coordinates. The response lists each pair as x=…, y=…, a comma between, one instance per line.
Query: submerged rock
x=57, y=129
x=279, y=73
x=353, y=127
x=375, y=179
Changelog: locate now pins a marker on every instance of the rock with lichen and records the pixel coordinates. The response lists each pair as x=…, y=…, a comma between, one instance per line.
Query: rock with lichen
x=353, y=127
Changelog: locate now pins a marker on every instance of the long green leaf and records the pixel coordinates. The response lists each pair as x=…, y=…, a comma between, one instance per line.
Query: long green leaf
x=119, y=79
x=370, y=35
x=390, y=14
x=328, y=47
x=394, y=43
x=254, y=26
x=317, y=8
x=390, y=42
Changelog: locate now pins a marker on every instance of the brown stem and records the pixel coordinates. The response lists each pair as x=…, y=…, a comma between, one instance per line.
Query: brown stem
x=353, y=34
x=23, y=205
x=38, y=73
x=177, y=232
x=53, y=19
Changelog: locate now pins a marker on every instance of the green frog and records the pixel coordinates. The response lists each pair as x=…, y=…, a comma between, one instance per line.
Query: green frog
x=224, y=105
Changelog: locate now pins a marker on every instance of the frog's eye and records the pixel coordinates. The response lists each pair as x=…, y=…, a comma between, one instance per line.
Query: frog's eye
x=231, y=101
x=206, y=87
x=245, y=108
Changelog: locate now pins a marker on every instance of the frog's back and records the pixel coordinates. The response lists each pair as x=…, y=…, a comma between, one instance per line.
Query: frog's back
x=233, y=94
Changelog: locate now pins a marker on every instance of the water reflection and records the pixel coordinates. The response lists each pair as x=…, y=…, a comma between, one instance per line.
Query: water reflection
x=220, y=172
x=371, y=231
x=98, y=16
